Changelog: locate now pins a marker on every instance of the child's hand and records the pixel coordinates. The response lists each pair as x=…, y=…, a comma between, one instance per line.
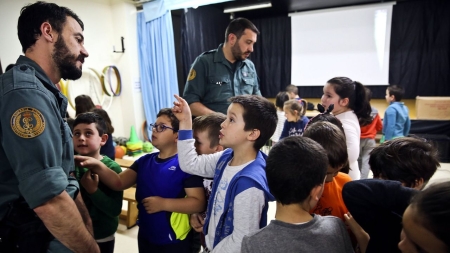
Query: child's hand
x=182, y=111
x=197, y=222
x=351, y=223
x=153, y=204
x=90, y=182
x=87, y=162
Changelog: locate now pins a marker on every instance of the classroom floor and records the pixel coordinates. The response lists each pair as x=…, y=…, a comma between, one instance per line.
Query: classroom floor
x=126, y=239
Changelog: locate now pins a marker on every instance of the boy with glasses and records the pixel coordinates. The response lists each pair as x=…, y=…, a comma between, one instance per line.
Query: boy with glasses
x=165, y=194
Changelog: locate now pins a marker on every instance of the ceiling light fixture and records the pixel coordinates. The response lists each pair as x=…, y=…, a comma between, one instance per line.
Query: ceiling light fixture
x=247, y=7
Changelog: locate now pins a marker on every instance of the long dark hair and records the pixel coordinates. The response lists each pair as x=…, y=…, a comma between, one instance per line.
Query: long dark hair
x=357, y=99
x=83, y=103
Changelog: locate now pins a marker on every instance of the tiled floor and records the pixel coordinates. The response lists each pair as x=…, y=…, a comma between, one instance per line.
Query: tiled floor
x=126, y=239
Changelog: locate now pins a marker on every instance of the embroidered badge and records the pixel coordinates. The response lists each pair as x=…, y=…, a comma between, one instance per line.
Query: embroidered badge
x=192, y=75
x=28, y=122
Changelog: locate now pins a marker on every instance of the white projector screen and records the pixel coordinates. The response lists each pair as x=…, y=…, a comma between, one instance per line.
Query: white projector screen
x=350, y=41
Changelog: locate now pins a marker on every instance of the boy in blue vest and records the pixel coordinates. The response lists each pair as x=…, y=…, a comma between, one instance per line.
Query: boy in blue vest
x=239, y=198
x=165, y=194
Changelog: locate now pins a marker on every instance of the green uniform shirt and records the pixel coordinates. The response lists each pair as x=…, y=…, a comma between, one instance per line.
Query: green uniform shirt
x=104, y=205
x=212, y=81
x=36, y=151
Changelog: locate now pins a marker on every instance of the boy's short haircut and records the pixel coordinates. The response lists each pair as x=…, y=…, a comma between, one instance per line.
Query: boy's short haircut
x=211, y=123
x=259, y=113
x=281, y=97
x=89, y=118
x=292, y=88
x=295, y=166
x=332, y=139
x=404, y=159
x=168, y=112
x=105, y=116
x=396, y=91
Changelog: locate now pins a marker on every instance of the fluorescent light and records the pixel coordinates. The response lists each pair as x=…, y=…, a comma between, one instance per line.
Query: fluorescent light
x=248, y=7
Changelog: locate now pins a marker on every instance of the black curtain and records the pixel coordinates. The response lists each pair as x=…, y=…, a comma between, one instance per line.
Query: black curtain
x=272, y=54
x=202, y=29
x=420, y=47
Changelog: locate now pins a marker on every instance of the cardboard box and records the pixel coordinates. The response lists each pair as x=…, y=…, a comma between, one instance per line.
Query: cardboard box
x=437, y=108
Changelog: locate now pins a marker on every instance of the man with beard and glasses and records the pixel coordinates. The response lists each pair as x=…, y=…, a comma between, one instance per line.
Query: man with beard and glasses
x=225, y=72
x=40, y=208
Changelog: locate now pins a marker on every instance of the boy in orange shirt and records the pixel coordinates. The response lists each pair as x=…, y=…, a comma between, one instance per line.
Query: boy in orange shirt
x=332, y=139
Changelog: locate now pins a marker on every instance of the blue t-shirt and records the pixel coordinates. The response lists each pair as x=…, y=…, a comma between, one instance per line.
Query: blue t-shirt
x=294, y=128
x=163, y=178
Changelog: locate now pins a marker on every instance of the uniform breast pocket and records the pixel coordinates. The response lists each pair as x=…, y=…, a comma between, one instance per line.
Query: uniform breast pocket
x=219, y=88
x=248, y=83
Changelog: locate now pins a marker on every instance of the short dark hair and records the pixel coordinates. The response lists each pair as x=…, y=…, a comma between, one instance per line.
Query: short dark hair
x=404, y=159
x=83, y=103
x=357, y=98
x=173, y=120
x=328, y=118
x=332, y=139
x=211, y=123
x=295, y=166
x=259, y=113
x=433, y=208
x=237, y=27
x=397, y=91
x=105, y=116
x=292, y=88
x=281, y=97
x=33, y=15
x=89, y=118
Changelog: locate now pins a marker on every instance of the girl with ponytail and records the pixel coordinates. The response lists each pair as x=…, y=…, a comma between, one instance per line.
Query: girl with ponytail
x=352, y=108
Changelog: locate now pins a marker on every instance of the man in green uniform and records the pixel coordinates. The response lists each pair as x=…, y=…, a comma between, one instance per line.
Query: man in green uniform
x=37, y=195
x=219, y=74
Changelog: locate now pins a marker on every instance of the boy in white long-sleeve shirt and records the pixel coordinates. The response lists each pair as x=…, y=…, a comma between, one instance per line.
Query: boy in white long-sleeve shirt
x=239, y=199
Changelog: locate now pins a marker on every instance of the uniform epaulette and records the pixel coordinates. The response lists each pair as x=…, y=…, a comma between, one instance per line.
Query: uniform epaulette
x=21, y=76
x=209, y=52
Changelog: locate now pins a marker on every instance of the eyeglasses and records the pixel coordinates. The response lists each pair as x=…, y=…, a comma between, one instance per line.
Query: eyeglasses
x=160, y=128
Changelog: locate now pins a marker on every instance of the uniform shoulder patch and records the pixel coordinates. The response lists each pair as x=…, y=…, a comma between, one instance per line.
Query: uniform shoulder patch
x=28, y=122
x=192, y=74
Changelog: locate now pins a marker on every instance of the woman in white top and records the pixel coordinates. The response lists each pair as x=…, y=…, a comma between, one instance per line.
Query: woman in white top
x=351, y=107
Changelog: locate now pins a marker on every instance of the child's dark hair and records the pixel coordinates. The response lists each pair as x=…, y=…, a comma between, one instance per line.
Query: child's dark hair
x=295, y=105
x=397, y=91
x=168, y=112
x=328, y=118
x=211, y=123
x=281, y=97
x=357, y=99
x=105, y=116
x=83, y=103
x=295, y=166
x=332, y=140
x=89, y=118
x=292, y=88
x=433, y=210
x=259, y=113
x=405, y=159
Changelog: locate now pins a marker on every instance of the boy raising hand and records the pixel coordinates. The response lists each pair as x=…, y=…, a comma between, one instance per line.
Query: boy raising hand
x=239, y=198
